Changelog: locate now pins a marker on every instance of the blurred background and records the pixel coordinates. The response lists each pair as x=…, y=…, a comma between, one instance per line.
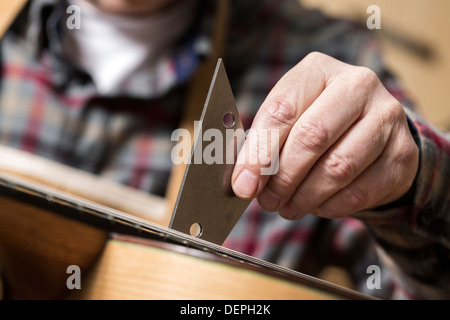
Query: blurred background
x=415, y=35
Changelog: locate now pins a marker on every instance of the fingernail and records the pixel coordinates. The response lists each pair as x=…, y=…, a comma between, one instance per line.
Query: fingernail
x=246, y=184
x=269, y=200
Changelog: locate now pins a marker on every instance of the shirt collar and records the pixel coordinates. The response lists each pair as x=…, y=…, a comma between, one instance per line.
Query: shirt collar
x=46, y=18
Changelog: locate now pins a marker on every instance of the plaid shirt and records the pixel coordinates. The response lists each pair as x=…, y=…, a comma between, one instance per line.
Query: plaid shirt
x=51, y=108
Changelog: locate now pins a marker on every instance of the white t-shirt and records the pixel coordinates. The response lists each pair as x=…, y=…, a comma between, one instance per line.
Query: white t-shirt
x=112, y=47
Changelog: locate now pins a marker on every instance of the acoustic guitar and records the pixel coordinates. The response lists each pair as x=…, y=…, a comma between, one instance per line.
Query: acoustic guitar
x=123, y=248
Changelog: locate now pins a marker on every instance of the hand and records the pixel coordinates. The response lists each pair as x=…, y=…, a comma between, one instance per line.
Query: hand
x=344, y=143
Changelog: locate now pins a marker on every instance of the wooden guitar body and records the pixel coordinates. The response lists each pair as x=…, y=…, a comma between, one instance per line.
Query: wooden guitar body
x=46, y=226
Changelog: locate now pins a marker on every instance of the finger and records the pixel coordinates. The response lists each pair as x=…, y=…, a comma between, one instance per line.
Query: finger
x=386, y=180
x=318, y=128
x=286, y=102
x=359, y=147
x=360, y=194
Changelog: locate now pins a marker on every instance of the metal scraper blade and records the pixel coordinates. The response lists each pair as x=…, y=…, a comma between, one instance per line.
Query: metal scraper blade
x=206, y=206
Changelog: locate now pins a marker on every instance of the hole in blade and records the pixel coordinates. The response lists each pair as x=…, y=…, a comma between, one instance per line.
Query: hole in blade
x=228, y=119
x=196, y=230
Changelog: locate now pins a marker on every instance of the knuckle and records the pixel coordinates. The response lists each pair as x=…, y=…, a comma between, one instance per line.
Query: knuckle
x=283, y=182
x=392, y=114
x=361, y=80
x=339, y=170
x=367, y=77
x=304, y=200
x=280, y=112
x=410, y=153
x=354, y=198
x=315, y=56
x=312, y=136
x=406, y=151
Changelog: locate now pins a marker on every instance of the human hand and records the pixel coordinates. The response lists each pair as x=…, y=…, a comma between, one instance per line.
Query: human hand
x=344, y=143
